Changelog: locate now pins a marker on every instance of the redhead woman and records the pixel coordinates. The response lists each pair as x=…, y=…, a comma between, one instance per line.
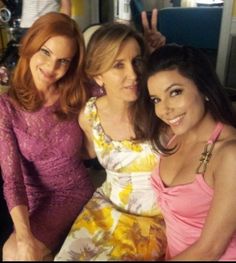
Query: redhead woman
x=45, y=181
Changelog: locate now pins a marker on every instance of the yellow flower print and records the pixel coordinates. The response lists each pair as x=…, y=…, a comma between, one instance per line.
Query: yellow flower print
x=132, y=146
x=143, y=164
x=125, y=194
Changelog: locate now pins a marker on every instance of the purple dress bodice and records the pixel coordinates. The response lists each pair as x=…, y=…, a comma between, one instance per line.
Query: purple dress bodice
x=41, y=167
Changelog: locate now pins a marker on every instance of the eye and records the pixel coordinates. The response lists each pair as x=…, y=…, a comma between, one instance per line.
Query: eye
x=44, y=51
x=138, y=61
x=176, y=92
x=64, y=61
x=118, y=65
x=138, y=64
x=154, y=100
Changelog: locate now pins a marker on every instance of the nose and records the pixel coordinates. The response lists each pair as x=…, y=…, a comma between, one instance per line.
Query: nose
x=164, y=109
x=51, y=66
x=131, y=73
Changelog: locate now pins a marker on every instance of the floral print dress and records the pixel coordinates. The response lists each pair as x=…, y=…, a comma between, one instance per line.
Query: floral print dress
x=121, y=221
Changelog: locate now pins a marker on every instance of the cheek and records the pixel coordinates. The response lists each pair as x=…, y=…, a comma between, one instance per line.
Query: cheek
x=197, y=106
x=113, y=82
x=158, y=111
x=198, y=102
x=35, y=61
x=186, y=102
x=32, y=65
x=62, y=71
x=201, y=107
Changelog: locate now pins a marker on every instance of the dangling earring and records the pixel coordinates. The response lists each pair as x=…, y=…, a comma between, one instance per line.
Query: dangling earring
x=206, y=99
x=101, y=90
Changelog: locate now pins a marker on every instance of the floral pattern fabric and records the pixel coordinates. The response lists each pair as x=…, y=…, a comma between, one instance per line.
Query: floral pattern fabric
x=122, y=220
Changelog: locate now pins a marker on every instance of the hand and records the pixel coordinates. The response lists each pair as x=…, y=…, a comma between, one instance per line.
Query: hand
x=4, y=76
x=153, y=37
x=29, y=249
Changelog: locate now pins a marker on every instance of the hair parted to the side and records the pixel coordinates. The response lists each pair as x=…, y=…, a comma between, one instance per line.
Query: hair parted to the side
x=73, y=93
x=193, y=64
x=104, y=47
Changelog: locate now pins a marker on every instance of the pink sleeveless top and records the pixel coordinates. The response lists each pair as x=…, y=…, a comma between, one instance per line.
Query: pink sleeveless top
x=185, y=208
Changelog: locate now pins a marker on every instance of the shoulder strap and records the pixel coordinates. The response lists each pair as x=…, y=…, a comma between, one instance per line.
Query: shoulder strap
x=216, y=133
x=207, y=153
x=90, y=109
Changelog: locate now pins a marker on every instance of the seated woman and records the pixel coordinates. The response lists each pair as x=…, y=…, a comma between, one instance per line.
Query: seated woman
x=195, y=181
x=45, y=181
x=122, y=220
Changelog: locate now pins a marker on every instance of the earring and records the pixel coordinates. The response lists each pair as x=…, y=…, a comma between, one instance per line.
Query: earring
x=101, y=90
x=206, y=98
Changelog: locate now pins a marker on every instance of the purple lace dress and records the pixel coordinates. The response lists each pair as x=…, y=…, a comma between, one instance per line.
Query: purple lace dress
x=41, y=168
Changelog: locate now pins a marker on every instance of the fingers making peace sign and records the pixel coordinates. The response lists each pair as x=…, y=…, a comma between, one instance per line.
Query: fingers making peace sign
x=153, y=37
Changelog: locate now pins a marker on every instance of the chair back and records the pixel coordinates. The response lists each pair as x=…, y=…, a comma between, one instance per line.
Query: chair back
x=194, y=26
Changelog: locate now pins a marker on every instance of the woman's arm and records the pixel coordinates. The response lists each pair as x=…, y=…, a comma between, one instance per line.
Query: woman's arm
x=88, y=141
x=153, y=37
x=27, y=245
x=66, y=7
x=220, y=224
x=14, y=188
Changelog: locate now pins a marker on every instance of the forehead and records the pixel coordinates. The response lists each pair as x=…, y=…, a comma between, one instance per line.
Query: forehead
x=129, y=48
x=160, y=81
x=61, y=46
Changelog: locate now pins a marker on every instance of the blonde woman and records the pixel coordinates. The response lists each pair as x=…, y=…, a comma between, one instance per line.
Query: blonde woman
x=122, y=220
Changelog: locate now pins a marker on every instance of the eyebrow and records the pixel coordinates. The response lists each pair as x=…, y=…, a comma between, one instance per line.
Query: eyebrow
x=44, y=46
x=119, y=60
x=50, y=51
x=123, y=59
x=168, y=88
x=173, y=84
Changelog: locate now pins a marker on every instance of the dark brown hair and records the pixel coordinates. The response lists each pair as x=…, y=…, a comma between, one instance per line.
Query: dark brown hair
x=193, y=64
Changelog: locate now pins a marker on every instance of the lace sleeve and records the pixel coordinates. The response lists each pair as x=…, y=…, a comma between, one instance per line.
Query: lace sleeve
x=10, y=158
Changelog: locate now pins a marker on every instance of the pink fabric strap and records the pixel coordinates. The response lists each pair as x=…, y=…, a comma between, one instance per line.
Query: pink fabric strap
x=216, y=132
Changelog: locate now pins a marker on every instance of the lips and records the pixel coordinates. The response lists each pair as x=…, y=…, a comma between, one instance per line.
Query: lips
x=47, y=76
x=131, y=87
x=176, y=121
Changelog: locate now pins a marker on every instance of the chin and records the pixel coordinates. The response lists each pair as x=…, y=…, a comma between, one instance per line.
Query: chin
x=178, y=130
x=132, y=99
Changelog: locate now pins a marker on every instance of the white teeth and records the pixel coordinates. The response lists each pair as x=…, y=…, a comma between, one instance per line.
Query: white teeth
x=130, y=87
x=175, y=120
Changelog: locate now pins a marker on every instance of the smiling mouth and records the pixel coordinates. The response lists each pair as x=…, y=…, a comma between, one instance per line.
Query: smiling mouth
x=46, y=76
x=131, y=87
x=176, y=120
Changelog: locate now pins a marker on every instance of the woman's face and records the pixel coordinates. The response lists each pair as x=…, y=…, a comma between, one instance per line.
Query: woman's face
x=52, y=61
x=177, y=100
x=120, y=81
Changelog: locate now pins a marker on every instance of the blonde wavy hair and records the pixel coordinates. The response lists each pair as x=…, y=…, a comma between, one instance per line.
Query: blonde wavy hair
x=104, y=46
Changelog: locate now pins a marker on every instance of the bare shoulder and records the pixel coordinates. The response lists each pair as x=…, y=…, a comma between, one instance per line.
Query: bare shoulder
x=227, y=150
x=83, y=121
x=228, y=141
x=226, y=153
x=101, y=103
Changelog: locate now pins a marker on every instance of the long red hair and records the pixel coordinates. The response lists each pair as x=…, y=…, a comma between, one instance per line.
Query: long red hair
x=71, y=87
